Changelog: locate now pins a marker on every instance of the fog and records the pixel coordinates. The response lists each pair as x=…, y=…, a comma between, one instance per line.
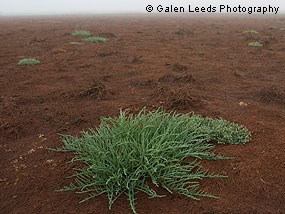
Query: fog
x=38, y=7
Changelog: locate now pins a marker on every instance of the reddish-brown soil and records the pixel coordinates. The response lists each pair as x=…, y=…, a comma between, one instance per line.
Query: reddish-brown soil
x=183, y=63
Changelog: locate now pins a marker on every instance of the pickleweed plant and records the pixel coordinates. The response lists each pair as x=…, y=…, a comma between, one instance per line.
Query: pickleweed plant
x=250, y=31
x=124, y=154
x=255, y=44
x=81, y=33
x=30, y=61
x=94, y=39
x=75, y=43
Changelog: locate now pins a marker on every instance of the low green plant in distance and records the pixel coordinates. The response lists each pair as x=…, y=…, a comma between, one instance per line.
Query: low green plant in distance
x=30, y=61
x=94, y=39
x=81, y=33
x=124, y=154
x=279, y=22
x=250, y=31
x=75, y=43
x=255, y=44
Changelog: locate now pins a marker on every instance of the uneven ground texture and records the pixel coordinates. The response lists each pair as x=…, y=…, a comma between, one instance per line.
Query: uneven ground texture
x=183, y=63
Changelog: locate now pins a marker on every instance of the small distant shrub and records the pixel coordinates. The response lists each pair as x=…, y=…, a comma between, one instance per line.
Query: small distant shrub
x=250, y=31
x=81, y=33
x=75, y=43
x=125, y=154
x=94, y=39
x=279, y=22
x=255, y=44
x=30, y=61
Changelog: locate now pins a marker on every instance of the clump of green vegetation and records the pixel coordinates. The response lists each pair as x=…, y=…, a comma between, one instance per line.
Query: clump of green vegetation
x=124, y=154
x=75, y=43
x=81, y=33
x=30, y=61
x=250, y=31
x=94, y=39
x=279, y=22
x=255, y=44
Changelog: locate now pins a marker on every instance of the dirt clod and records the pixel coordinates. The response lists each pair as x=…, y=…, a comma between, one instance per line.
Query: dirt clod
x=96, y=91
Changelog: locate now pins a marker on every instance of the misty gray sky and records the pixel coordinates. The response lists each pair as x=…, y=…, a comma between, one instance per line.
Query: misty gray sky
x=109, y=6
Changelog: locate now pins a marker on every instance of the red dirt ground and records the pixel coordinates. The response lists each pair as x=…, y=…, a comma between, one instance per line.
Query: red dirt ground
x=183, y=63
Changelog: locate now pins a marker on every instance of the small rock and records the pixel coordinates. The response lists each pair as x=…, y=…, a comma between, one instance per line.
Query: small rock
x=41, y=135
x=31, y=151
x=243, y=104
x=49, y=161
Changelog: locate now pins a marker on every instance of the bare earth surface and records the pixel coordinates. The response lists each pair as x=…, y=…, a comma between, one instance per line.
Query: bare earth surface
x=182, y=63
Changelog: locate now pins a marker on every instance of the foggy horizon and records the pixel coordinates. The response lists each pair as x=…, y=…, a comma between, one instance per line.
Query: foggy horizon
x=65, y=7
